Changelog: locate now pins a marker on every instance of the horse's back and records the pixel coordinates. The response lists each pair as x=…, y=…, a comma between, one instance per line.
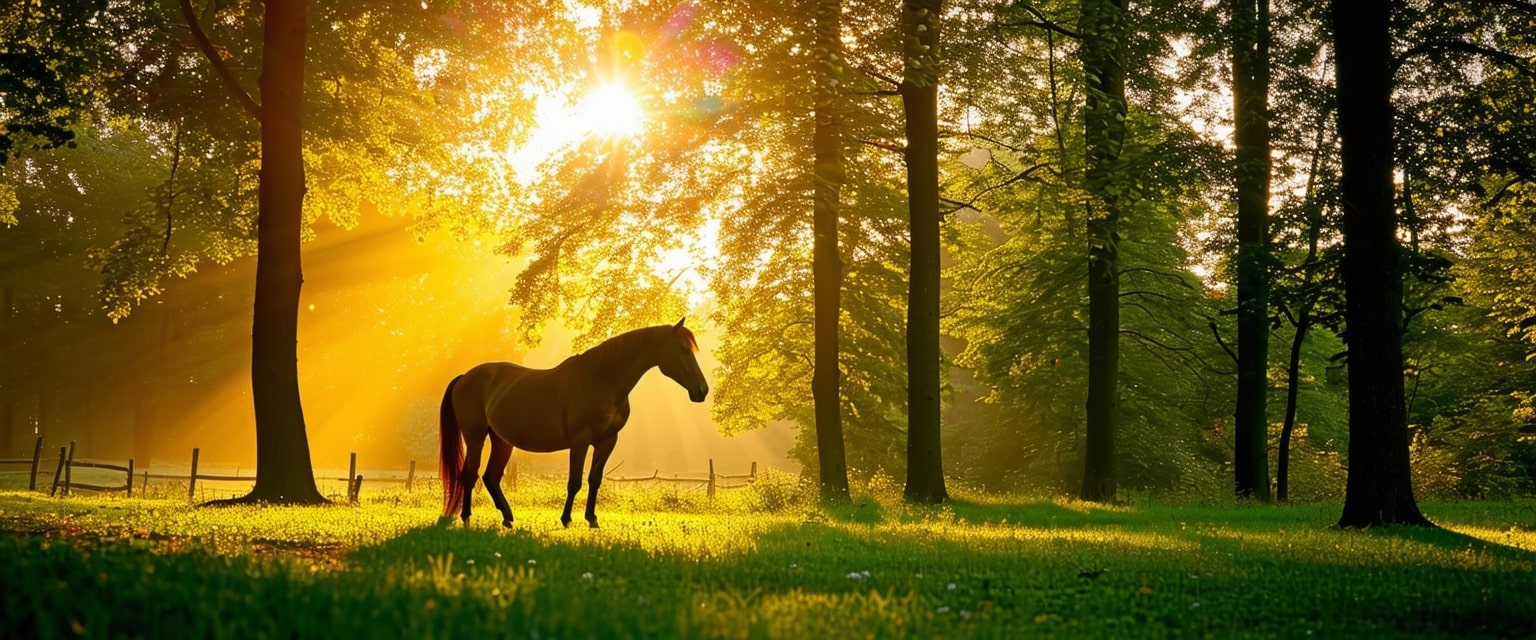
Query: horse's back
x=522, y=404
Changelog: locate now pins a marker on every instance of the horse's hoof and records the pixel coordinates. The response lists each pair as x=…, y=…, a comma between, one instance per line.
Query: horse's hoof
x=565, y=522
x=592, y=524
x=507, y=523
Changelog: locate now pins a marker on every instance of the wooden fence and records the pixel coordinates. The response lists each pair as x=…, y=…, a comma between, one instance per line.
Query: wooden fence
x=63, y=482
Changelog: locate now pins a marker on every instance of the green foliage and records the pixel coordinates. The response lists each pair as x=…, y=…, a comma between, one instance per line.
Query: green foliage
x=878, y=567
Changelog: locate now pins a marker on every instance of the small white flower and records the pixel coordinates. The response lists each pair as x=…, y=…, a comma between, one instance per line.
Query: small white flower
x=965, y=615
x=943, y=609
x=533, y=561
x=586, y=576
x=951, y=586
x=469, y=561
x=498, y=554
x=794, y=565
x=856, y=576
x=1194, y=605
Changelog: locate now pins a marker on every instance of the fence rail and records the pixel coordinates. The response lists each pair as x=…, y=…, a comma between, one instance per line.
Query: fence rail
x=62, y=482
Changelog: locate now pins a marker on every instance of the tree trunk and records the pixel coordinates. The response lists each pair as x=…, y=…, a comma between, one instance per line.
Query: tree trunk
x=1292, y=382
x=1104, y=25
x=1379, y=489
x=1250, y=109
x=827, y=268
x=283, y=470
x=919, y=97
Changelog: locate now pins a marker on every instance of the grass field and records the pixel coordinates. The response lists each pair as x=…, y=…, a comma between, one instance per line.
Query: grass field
x=760, y=562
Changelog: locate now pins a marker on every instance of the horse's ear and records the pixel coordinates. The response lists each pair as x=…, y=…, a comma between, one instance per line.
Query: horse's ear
x=679, y=324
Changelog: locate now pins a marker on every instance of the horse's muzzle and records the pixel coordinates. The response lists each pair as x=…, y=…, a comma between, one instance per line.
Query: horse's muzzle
x=697, y=395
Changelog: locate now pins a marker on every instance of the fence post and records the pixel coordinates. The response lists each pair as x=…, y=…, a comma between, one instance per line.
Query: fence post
x=69, y=468
x=144, y=486
x=192, y=481
x=711, y=478
x=130, y=477
x=410, y=476
x=58, y=474
x=754, y=472
x=351, y=470
x=37, y=454
x=357, y=488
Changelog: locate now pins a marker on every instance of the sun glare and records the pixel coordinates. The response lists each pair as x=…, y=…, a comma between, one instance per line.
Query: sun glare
x=611, y=110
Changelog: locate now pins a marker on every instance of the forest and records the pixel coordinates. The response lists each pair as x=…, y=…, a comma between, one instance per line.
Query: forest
x=1274, y=250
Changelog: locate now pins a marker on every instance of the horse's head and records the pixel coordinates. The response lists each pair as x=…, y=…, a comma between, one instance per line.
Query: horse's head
x=678, y=363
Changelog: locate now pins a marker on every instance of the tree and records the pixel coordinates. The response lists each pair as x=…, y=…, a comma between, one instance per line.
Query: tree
x=1249, y=30
x=1379, y=489
x=1104, y=25
x=284, y=472
x=828, y=270
x=919, y=97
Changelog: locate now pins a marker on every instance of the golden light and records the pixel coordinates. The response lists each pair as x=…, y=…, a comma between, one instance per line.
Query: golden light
x=611, y=110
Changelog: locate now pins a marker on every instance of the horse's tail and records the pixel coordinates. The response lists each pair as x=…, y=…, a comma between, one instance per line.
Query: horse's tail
x=451, y=454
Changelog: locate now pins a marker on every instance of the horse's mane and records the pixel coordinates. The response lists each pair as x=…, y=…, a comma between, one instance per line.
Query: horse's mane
x=629, y=339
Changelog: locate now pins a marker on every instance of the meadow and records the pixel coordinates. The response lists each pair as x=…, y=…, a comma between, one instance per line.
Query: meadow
x=759, y=562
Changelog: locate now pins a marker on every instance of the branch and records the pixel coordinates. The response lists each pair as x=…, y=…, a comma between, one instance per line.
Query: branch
x=1176, y=280
x=1140, y=292
x=884, y=145
x=1189, y=352
x=1026, y=174
x=1040, y=21
x=238, y=92
x=876, y=74
x=1043, y=24
x=1517, y=5
x=1462, y=46
x=1217, y=332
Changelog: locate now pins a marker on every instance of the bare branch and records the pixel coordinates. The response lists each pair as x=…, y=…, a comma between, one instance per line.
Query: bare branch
x=230, y=82
x=1217, y=332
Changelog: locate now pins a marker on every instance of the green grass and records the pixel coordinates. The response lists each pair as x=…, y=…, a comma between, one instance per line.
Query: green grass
x=759, y=562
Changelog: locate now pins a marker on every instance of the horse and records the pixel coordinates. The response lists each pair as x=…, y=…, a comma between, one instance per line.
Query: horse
x=582, y=402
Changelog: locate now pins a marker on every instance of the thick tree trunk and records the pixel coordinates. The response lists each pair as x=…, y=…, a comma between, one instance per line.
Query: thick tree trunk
x=919, y=97
x=1104, y=25
x=1379, y=489
x=283, y=470
x=1292, y=385
x=1250, y=108
x=827, y=268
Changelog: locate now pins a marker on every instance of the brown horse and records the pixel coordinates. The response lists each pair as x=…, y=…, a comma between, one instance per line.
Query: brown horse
x=583, y=402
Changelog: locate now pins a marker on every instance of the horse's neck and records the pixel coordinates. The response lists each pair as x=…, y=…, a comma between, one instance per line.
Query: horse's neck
x=621, y=360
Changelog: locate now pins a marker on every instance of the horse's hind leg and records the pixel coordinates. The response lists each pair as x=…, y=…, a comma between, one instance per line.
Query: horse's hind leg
x=495, y=467
x=600, y=451
x=472, y=446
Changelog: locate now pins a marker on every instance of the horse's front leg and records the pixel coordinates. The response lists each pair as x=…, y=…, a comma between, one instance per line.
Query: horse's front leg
x=600, y=451
x=579, y=446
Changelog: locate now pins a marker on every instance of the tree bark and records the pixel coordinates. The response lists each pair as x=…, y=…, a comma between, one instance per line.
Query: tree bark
x=283, y=469
x=1250, y=109
x=827, y=268
x=1104, y=25
x=1379, y=489
x=919, y=97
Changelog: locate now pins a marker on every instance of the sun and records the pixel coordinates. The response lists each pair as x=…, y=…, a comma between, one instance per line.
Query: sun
x=610, y=110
